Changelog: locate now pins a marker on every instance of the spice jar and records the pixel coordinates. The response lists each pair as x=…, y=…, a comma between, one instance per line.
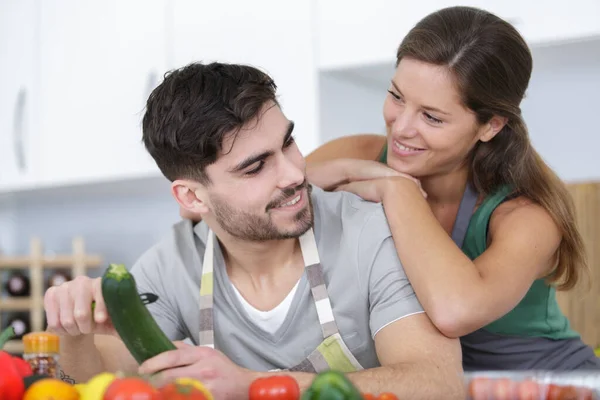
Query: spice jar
x=41, y=351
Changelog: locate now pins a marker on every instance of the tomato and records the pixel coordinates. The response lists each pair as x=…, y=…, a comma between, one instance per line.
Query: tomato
x=278, y=387
x=131, y=388
x=569, y=393
x=369, y=396
x=387, y=396
x=480, y=388
x=197, y=384
x=528, y=390
x=504, y=389
x=553, y=392
x=177, y=391
x=51, y=388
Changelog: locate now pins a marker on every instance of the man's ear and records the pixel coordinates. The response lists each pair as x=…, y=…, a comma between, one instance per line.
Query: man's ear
x=191, y=196
x=491, y=129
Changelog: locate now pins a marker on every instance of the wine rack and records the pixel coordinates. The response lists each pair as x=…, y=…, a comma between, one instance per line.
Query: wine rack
x=36, y=262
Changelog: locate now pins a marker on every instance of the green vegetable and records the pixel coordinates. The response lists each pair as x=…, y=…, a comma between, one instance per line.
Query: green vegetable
x=331, y=385
x=130, y=317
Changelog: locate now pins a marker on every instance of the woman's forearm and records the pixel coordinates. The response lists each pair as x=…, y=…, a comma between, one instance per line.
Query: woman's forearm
x=445, y=280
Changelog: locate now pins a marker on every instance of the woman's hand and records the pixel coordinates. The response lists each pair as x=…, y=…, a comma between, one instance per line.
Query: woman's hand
x=331, y=174
x=374, y=190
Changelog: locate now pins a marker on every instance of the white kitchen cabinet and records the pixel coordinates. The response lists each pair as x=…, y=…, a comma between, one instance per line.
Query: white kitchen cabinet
x=356, y=33
x=274, y=35
x=99, y=61
x=18, y=94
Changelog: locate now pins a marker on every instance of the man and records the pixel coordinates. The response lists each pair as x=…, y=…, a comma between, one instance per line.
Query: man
x=293, y=278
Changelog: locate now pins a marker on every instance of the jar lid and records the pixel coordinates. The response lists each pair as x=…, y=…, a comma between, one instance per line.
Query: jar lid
x=41, y=342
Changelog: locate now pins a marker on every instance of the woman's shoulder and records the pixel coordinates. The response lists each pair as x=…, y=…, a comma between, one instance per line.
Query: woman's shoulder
x=521, y=215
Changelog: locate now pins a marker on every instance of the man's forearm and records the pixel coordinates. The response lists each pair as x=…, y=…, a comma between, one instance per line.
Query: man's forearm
x=79, y=359
x=407, y=381
x=411, y=381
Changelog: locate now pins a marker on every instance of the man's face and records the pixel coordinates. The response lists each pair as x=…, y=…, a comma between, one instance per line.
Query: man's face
x=258, y=188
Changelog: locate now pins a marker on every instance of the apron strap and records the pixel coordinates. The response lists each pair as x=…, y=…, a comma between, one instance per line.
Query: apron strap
x=314, y=273
x=206, y=336
x=465, y=211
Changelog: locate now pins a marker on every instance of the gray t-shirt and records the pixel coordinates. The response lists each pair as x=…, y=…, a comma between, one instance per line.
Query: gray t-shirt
x=367, y=287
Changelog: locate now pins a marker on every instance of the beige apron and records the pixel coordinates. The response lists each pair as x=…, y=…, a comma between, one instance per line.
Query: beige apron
x=332, y=353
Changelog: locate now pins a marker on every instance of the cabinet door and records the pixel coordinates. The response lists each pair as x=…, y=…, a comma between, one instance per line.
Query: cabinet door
x=100, y=60
x=354, y=33
x=558, y=21
x=275, y=36
x=17, y=93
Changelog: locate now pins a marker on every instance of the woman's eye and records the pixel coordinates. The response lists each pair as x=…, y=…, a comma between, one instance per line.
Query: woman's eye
x=433, y=119
x=397, y=97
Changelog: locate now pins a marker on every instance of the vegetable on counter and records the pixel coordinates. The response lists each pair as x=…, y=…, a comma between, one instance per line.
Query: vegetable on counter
x=382, y=396
x=182, y=391
x=481, y=388
x=94, y=388
x=276, y=387
x=13, y=370
x=51, y=388
x=131, y=388
x=130, y=317
x=331, y=385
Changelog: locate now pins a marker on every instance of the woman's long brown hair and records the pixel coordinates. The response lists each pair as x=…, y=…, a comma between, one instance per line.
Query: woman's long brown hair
x=492, y=65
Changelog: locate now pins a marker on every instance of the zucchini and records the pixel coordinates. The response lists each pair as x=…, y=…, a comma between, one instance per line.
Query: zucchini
x=130, y=317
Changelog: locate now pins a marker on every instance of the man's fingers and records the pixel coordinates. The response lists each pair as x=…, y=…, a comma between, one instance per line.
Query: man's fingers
x=82, y=299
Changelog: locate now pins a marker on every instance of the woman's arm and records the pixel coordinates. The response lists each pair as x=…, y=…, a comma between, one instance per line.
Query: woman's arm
x=361, y=147
x=459, y=295
x=346, y=159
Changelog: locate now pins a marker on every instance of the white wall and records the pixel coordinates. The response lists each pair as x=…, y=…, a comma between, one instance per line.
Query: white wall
x=562, y=103
x=562, y=107
x=349, y=105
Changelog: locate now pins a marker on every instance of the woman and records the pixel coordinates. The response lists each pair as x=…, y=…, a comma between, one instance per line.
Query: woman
x=455, y=128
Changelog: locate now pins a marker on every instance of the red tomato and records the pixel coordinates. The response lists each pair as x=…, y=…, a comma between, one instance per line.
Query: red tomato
x=177, y=391
x=369, y=396
x=278, y=387
x=387, y=396
x=553, y=392
x=131, y=388
x=528, y=390
x=504, y=389
x=480, y=388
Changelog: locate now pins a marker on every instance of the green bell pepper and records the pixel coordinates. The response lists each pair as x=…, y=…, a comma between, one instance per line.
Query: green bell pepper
x=331, y=385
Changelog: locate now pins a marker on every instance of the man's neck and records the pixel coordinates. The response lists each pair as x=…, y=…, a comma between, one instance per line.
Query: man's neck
x=258, y=261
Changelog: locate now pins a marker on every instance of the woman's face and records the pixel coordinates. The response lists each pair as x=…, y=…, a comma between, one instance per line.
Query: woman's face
x=430, y=132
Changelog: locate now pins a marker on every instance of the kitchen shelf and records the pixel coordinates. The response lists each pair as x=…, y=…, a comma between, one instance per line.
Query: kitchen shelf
x=78, y=262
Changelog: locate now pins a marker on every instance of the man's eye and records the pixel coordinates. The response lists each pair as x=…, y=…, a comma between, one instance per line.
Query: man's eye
x=256, y=170
x=289, y=142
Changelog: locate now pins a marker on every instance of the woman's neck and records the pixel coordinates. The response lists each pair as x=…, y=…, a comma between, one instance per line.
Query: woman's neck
x=446, y=189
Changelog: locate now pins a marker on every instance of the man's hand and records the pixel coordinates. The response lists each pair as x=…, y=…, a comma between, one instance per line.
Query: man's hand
x=69, y=308
x=219, y=374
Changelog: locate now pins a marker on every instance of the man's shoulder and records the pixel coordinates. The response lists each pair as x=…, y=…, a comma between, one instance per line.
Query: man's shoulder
x=349, y=213
x=178, y=246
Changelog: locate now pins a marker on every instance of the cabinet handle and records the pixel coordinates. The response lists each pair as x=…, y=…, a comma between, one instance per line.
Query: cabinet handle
x=18, y=129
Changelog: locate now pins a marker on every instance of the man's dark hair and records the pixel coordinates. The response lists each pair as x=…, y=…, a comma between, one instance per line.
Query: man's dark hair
x=195, y=108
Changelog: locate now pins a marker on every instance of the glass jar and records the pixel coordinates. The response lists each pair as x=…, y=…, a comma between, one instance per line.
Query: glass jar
x=41, y=351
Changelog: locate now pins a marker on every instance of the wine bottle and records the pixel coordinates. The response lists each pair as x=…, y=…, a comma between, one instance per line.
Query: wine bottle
x=18, y=285
x=58, y=278
x=20, y=323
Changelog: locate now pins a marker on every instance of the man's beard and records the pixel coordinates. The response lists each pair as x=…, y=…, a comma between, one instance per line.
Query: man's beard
x=252, y=227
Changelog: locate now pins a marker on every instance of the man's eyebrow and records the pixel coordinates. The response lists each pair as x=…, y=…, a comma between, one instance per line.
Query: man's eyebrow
x=248, y=161
x=288, y=134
